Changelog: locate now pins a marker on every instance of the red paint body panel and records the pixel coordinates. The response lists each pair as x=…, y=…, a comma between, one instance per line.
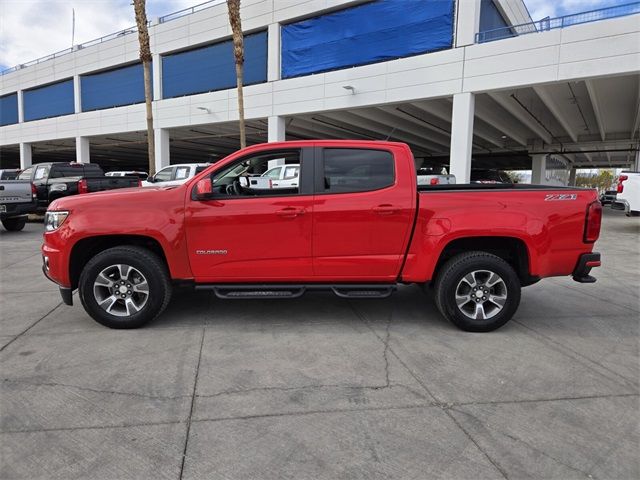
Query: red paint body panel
x=551, y=230
x=359, y=237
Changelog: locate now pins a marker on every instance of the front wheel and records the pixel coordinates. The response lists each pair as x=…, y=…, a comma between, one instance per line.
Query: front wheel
x=14, y=224
x=477, y=291
x=124, y=287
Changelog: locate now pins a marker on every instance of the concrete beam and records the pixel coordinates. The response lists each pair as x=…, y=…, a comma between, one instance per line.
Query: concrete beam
x=595, y=104
x=494, y=119
x=555, y=111
x=462, y=136
x=522, y=115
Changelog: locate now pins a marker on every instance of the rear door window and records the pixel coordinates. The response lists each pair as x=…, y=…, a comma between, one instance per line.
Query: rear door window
x=356, y=170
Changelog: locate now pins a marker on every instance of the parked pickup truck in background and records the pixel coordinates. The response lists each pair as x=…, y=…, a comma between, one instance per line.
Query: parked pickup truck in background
x=175, y=174
x=628, y=194
x=62, y=179
x=357, y=224
x=17, y=199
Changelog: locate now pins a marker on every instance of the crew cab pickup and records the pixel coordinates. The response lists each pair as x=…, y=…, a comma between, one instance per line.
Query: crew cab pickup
x=61, y=179
x=356, y=224
x=17, y=199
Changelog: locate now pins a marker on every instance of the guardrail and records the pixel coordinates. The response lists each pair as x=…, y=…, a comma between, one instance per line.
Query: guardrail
x=111, y=36
x=190, y=10
x=75, y=48
x=547, y=24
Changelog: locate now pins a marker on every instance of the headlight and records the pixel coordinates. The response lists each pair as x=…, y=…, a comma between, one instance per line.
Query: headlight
x=58, y=187
x=54, y=220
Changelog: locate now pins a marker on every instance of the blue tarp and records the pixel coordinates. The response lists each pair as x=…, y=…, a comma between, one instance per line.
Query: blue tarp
x=9, y=109
x=369, y=33
x=48, y=101
x=113, y=88
x=213, y=68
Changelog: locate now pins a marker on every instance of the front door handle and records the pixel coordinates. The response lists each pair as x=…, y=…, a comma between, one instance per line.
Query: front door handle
x=290, y=212
x=385, y=209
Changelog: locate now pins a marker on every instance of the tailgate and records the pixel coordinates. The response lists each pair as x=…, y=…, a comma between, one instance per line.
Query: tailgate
x=15, y=191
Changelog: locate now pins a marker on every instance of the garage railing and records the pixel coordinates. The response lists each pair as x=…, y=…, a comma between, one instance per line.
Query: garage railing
x=547, y=23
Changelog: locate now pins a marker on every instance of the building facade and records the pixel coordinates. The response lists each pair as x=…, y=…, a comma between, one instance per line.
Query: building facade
x=463, y=82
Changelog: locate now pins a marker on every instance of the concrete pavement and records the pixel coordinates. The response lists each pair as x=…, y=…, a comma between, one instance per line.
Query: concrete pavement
x=321, y=387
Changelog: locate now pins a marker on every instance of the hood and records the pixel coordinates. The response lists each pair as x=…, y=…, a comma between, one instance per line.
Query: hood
x=127, y=198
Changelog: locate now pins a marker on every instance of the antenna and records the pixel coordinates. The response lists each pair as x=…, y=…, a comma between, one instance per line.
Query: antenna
x=73, y=26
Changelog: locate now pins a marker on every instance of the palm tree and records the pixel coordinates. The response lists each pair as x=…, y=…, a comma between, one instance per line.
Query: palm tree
x=145, y=55
x=238, y=52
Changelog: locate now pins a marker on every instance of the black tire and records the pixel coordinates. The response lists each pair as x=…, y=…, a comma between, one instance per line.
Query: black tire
x=14, y=224
x=477, y=266
x=146, y=265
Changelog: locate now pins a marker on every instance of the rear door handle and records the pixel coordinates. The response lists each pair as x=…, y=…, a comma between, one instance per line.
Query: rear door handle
x=385, y=209
x=291, y=212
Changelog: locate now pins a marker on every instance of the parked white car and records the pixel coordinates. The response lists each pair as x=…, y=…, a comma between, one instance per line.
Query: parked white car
x=175, y=174
x=281, y=176
x=628, y=197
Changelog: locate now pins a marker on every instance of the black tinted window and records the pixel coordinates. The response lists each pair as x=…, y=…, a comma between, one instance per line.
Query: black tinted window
x=357, y=170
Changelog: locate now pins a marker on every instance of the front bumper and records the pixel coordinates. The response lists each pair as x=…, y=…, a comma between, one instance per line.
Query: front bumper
x=65, y=292
x=586, y=262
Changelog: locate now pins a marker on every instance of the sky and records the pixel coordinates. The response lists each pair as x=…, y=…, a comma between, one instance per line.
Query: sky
x=31, y=29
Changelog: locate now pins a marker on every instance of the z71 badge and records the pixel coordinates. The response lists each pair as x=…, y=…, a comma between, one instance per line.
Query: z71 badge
x=557, y=197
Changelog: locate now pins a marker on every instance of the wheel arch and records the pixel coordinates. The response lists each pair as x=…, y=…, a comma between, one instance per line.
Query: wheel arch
x=85, y=249
x=512, y=250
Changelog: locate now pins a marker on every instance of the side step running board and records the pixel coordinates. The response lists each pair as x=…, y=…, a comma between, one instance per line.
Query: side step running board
x=236, y=292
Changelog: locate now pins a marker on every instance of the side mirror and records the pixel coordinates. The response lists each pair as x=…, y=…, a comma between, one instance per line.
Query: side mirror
x=203, y=189
x=150, y=179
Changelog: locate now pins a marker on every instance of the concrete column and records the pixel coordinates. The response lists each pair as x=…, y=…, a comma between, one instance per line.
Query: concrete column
x=273, y=55
x=25, y=155
x=277, y=132
x=636, y=165
x=277, y=129
x=156, y=75
x=538, y=169
x=467, y=22
x=82, y=150
x=572, y=177
x=462, y=136
x=20, y=106
x=77, y=94
x=162, y=148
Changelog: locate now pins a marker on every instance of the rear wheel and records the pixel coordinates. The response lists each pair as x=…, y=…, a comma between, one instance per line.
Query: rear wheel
x=14, y=224
x=477, y=291
x=124, y=287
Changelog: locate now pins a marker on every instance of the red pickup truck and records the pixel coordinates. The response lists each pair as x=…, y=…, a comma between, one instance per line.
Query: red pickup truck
x=356, y=223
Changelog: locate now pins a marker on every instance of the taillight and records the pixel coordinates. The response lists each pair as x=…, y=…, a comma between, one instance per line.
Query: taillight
x=593, y=222
x=82, y=186
x=34, y=192
x=434, y=181
x=139, y=182
x=621, y=179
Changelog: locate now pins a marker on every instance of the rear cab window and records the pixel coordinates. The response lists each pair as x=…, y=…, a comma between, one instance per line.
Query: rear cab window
x=347, y=170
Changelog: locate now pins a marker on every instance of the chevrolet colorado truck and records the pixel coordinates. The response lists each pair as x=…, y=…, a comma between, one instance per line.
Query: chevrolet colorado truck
x=356, y=224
